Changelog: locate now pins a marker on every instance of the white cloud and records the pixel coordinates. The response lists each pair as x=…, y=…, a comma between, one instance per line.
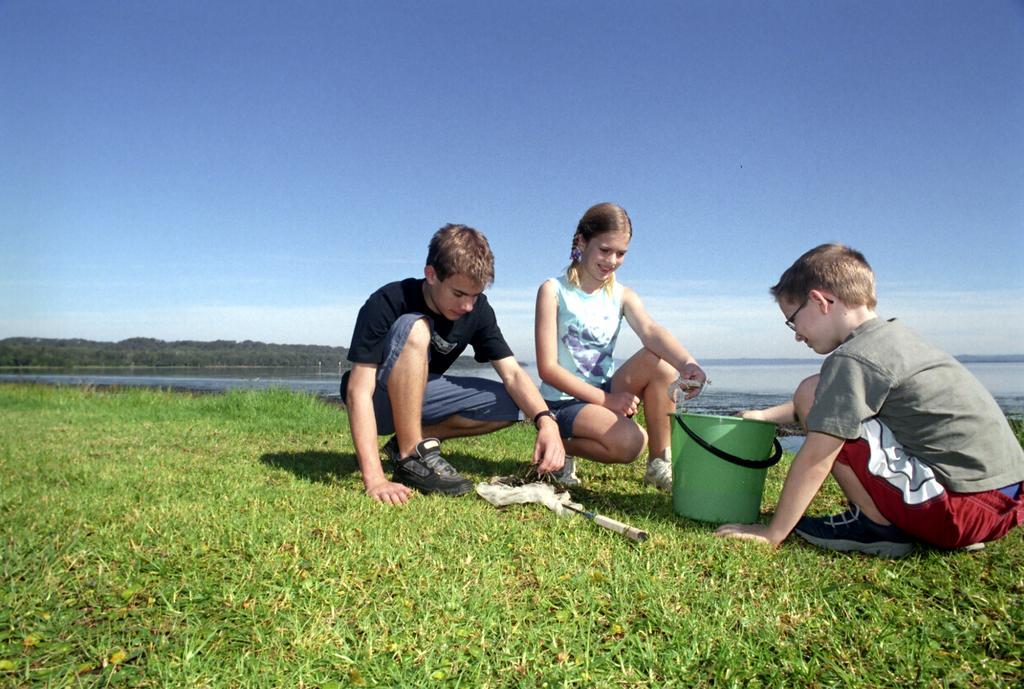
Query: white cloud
x=737, y=326
x=719, y=326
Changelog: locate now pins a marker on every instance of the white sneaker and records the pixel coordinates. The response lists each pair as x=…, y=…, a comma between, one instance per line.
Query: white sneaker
x=566, y=476
x=659, y=474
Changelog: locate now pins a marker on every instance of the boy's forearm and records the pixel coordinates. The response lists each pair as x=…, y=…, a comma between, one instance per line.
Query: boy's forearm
x=363, y=425
x=520, y=388
x=782, y=413
x=548, y=453
x=810, y=468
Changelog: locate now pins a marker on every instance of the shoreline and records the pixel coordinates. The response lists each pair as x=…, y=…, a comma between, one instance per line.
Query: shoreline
x=783, y=430
x=469, y=364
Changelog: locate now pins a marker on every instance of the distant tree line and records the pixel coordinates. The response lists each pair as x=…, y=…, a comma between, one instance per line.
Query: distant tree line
x=144, y=351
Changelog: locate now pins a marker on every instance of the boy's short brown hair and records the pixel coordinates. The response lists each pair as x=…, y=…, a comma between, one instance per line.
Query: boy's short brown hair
x=839, y=269
x=459, y=249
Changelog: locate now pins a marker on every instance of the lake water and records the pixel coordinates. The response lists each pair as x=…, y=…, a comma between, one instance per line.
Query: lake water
x=733, y=386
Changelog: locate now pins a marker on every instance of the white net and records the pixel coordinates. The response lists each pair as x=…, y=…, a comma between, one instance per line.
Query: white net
x=500, y=491
x=512, y=490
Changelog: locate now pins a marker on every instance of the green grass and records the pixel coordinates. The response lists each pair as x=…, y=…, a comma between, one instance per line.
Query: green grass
x=159, y=539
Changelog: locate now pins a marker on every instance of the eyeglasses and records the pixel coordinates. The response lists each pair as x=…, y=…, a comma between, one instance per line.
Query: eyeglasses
x=790, y=322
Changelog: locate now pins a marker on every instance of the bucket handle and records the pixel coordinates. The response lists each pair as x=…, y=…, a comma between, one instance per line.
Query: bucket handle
x=739, y=461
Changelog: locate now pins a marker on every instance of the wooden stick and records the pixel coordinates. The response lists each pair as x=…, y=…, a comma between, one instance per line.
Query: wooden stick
x=626, y=530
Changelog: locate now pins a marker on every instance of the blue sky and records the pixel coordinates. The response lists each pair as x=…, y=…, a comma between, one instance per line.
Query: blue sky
x=253, y=170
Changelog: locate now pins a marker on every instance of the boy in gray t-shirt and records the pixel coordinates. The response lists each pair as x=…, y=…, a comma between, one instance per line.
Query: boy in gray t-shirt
x=918, y=446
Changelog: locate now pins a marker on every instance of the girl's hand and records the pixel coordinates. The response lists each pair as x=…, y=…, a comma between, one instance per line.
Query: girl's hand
x=624, y=403
x=695, y=373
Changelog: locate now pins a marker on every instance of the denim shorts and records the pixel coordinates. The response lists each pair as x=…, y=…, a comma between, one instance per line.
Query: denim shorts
x=566, y=411
x=473, y=398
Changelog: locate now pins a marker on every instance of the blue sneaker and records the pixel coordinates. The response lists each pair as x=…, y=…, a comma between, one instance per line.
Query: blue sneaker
x=852, y=531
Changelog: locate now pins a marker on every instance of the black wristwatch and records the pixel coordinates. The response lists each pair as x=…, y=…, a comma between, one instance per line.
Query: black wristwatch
x=546, y=412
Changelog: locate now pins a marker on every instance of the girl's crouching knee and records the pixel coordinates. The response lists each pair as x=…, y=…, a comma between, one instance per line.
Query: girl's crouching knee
x=630, y=444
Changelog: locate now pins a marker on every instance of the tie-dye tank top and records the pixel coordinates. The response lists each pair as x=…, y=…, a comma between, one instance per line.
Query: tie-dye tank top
x=588, y=326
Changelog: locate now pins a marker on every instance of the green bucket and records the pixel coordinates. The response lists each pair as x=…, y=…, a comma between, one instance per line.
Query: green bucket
x=719, y=466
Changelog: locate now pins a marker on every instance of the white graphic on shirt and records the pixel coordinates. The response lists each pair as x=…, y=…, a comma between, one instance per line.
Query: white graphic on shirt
x=912, y=477
x=589, y=349
x=440, y=344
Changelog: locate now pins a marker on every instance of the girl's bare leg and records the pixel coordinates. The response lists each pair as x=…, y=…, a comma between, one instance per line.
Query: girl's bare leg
x=648, y=376
x=604, y=436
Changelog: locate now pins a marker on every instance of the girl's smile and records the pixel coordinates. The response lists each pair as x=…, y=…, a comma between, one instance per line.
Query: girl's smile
x=601, y=257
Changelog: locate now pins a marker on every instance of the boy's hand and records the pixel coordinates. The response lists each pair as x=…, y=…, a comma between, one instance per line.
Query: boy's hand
x=748, y=532
x=390, y=492
x=782, y=413
x=624, y=403
x=548, y=451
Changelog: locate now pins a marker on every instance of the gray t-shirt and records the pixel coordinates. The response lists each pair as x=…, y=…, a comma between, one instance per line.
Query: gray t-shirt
x=935, y=408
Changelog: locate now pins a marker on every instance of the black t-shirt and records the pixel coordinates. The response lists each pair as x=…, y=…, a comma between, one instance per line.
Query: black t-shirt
x=478, y=328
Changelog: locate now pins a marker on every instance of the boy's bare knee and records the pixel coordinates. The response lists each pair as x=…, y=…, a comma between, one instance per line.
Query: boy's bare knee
x=414, y=355
x=803, y=398
x=419, y=336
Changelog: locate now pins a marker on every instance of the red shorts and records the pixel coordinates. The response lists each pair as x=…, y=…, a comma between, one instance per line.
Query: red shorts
x=907, y=493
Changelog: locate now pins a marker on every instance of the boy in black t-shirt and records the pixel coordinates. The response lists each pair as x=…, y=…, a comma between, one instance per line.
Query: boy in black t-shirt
x=407, y=335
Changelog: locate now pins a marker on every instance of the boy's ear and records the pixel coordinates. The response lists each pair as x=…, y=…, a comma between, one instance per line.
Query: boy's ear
x=430, y=274
x=824, y=300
